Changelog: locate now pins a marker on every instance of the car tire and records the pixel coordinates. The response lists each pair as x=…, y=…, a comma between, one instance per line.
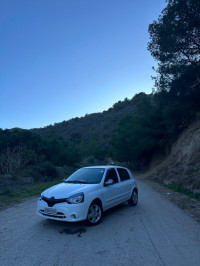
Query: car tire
x=95, y=213
x=134, y=198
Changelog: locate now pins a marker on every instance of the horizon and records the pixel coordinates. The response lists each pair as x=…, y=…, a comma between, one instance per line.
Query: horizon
x=79, y=117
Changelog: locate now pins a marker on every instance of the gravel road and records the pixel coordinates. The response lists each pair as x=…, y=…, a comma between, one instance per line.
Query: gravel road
x=156, y=232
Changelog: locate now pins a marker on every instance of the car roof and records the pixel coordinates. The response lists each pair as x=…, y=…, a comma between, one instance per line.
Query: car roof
x=105, y=166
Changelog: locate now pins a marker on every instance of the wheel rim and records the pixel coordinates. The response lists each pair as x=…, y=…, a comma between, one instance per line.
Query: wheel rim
x=134, y=197
x=94, y=213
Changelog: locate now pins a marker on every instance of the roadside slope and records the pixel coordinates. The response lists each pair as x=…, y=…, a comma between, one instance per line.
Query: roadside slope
x=182, y=166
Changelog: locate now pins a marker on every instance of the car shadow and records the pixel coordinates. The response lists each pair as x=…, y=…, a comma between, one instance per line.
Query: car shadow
x=68, y=228
x=118, y=210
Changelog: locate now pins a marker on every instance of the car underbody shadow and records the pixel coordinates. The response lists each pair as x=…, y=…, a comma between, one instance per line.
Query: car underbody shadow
x=68, y=228
x=117, y=210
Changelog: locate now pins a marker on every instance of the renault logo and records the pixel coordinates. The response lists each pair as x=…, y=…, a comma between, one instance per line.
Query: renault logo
x=51, y=202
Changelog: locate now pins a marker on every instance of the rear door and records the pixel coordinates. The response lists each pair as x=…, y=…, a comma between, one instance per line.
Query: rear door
x=126, y=183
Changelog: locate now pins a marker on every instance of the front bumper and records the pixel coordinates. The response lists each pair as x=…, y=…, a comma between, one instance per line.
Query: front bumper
x=63, y=211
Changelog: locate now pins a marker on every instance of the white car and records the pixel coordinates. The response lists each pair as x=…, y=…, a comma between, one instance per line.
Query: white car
x=87, y=193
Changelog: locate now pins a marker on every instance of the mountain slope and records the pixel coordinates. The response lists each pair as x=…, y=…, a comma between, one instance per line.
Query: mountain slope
x=182, y=165
x=92, y=126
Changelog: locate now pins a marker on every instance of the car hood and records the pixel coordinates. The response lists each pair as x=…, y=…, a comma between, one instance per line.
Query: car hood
x=65, y=190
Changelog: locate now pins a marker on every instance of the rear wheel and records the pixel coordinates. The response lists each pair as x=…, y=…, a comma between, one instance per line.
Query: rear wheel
x=134, y=198
x=94, y=214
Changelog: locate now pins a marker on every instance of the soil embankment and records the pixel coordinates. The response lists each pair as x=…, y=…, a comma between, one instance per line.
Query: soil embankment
x=182, y=166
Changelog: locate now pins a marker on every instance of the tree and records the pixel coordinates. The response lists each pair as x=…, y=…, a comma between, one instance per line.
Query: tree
x=176, y=35
x=140, y=135
x=175, y=43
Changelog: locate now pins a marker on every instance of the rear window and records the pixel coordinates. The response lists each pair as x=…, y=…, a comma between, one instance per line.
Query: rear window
x=123, y=173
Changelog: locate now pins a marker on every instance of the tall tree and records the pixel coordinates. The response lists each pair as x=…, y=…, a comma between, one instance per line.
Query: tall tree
x=175, y=43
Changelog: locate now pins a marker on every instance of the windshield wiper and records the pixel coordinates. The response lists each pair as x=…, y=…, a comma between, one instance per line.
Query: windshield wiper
x=68, y=181
x=76, y=182
x=80, y=182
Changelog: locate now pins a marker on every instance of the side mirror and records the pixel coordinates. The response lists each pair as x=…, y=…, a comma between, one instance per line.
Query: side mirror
x=109, y=182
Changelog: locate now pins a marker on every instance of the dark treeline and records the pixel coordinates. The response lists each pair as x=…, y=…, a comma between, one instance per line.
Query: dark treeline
x=132, y=131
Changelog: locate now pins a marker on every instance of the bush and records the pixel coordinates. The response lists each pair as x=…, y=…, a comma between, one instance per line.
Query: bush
x=44, y=171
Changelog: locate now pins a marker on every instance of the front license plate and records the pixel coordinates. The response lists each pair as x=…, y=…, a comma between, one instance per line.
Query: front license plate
x=50, y=211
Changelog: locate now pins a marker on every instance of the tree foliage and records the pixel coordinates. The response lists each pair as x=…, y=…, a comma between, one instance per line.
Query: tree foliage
x=20, y=149
x=139, y=135
x=175, y=37
x=175, y=44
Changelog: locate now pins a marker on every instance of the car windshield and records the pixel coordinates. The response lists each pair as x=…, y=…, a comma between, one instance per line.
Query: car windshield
x=86, y=176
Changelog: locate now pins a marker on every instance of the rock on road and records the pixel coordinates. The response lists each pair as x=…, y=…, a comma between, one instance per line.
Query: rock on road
x=155, y=232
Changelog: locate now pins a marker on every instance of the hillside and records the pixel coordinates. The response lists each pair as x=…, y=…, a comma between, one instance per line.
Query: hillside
x=92, y=126
x=182, y=165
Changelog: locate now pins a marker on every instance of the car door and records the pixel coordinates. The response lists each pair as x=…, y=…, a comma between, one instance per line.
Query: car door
x=111, y=191
x=126, y=183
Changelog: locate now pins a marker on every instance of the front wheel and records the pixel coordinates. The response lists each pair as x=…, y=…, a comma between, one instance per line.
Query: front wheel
x=134, y=198
x=94, y=214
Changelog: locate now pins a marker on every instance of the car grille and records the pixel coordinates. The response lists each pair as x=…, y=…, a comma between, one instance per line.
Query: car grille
x=52, y=201
x=60, y=215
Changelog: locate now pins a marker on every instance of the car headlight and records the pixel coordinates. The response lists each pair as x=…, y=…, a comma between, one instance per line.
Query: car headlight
x=77, y=198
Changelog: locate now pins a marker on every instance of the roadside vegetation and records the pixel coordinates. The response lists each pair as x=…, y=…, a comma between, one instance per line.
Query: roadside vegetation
x=10, y=196
x=183, y=190
x=133, y=132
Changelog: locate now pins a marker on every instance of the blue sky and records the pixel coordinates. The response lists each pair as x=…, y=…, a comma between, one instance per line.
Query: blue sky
x=62, y=59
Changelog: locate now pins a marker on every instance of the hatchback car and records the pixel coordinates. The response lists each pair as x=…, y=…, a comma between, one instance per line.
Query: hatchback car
x=87, y=193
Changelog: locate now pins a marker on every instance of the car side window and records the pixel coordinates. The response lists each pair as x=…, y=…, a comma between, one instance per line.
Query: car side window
x=111, y=174
x=123, y=173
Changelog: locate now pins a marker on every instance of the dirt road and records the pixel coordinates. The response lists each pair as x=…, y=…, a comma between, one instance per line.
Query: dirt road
x=156, y=232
